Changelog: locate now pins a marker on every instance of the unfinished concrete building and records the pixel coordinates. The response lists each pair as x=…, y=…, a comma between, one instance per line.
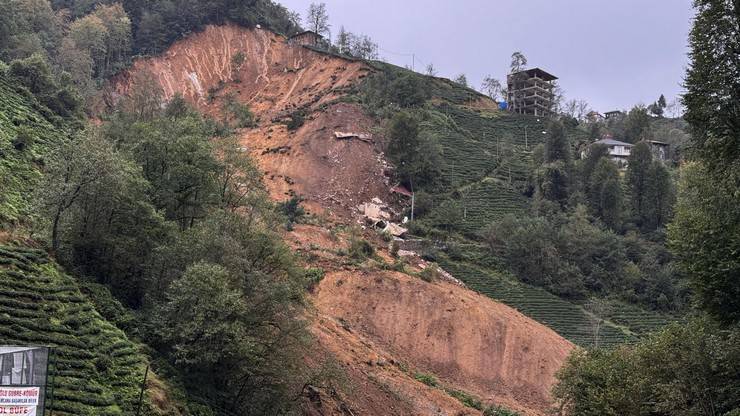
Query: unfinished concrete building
x=531, y=92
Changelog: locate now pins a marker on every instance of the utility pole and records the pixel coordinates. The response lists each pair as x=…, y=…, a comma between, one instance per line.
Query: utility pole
x=413, y=61
x=141, y=394
x=413, y=199
x=526, y=143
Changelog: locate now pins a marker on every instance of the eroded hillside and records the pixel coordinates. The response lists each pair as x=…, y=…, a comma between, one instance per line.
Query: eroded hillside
x=277, y=80
x=382, y=328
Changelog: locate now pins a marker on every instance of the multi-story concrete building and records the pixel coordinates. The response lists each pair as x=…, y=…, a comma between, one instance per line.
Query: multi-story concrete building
x=531, y=92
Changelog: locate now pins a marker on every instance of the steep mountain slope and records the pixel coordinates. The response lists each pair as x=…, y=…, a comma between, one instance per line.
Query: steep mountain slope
x=466, y=339
x=95, y=368
x=363, y=315
x=278, y=80
x=24, y=134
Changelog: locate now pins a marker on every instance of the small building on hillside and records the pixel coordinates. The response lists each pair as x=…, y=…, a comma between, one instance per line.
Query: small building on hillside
x=531, y=92
x=613, y=114
x=659, y=149
x=619, y=152
x=594, y=116
x=307, y=38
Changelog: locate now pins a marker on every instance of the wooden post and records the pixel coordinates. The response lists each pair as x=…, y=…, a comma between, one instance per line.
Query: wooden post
x=143, y=387
x=51, y=407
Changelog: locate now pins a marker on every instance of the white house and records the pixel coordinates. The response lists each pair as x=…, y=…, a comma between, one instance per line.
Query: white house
x=618, y=151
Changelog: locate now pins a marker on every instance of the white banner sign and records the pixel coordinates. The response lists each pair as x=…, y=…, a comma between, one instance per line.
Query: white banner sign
x=18, y=410
x=19, y=400
x=19, y=396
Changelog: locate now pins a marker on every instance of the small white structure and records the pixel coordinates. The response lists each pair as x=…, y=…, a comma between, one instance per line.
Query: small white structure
x=618, y=151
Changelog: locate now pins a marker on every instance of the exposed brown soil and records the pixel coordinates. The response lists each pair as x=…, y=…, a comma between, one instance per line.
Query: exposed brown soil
x=275, y=80
x=380, y=327
x=466, y=339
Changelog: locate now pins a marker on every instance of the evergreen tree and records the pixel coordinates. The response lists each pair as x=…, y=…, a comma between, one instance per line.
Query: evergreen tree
x=417, y=158
x=605, y=193
x=555, y=173
x=638, y=170
x=661, y=101
x=658, y=202
x=713, y=85
x=705, y=233
x=557, y=146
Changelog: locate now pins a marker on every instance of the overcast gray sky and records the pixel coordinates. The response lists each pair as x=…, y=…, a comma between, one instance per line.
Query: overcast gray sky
x=613, y=54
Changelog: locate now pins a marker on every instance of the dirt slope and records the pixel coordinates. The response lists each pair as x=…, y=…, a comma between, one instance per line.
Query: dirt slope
x=466, y=339
x=381, y=327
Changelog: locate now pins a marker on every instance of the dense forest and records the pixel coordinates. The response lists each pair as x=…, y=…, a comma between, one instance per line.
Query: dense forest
x=155, y=202
x=690, y=369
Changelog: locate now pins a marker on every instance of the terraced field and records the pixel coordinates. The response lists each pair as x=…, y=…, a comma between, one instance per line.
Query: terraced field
x=24, y=130
x=95, y=368
x=487, y=201
x=638, y=320
x=565, y=318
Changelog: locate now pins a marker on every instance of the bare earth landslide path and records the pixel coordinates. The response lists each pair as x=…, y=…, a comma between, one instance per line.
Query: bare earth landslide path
x=361, y=318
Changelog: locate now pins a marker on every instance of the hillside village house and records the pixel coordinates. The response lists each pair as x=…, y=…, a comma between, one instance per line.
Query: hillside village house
x=613, y=114
x=618, y=151
x=307, y=38
x=659, y=149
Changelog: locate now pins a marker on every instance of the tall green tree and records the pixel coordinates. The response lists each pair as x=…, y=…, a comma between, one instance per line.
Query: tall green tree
x=705, y=235
x=684, y=370
x=636, y=125
x=557, y=146
x=713, y=86
x=234, y=338
x=555, y=174
x=605, y=193
x=638, y=171
x=706, y=231
x=417, y=157
x=659, y=197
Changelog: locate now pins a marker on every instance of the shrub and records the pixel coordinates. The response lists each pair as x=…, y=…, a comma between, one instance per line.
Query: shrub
x=238, y=60
x=297, y=118
x=427, y=379
x=360, y=249
x=238, y=112
x=293, y=210
x=24, y=138
x=394, y=248
x=430, y=273
x=466, y=399
x=314, y=276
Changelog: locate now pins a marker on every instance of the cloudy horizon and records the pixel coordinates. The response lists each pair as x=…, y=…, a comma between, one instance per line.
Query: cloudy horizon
x=611, y=54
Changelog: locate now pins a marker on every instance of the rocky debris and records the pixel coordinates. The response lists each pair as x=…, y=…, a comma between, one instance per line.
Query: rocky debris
x=395, y=230
x=365, y=137
x=374, y=213
x=378, y=215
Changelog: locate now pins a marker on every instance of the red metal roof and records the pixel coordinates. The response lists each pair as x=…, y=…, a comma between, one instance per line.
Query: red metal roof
x=400, y=189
